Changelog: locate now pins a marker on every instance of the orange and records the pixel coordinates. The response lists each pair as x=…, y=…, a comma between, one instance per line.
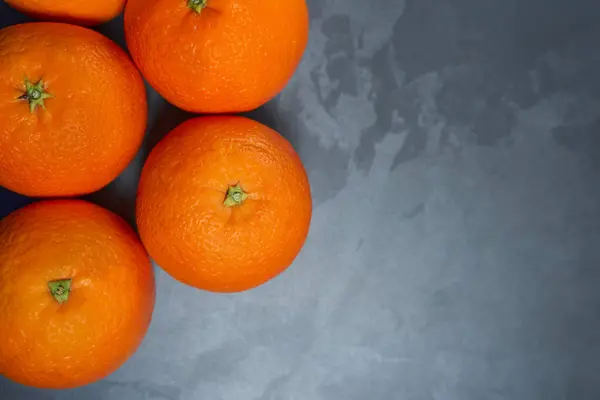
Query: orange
x=76, y=294
x=73, y=110
x=217, y=56
x=223, y=204
x=80, y=12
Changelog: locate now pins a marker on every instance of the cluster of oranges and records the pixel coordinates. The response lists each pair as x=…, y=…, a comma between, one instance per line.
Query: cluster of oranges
x=223, y=203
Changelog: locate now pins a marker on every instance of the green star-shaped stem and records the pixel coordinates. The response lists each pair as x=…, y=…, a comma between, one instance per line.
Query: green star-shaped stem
x=60, y=289
x=197, y=5
x=235, y=196
x=35, y=94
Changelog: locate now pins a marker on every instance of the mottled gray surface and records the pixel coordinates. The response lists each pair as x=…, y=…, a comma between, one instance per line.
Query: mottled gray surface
x=454, y=151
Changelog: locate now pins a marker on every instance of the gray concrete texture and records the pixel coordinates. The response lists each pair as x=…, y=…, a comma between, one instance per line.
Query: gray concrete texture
x=453, y=148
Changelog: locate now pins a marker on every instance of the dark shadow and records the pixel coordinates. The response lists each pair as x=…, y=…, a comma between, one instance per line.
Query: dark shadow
x=168, y=117
x=9, y=16
x=10, y=201
x=114, y=30
x=117, y=197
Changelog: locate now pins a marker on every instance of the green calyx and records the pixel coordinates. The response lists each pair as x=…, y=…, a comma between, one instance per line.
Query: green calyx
x=60, y=289
x=235, y=196
x=197, y=5
x=35, y=95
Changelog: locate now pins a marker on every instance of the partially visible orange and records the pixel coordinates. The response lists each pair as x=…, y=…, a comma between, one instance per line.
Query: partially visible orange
x=223, y=204
x=79, y=12
x=217, y=56
x=76, y=294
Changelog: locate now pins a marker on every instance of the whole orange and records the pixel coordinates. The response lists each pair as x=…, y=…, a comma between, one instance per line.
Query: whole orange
x=224, y=203
x=80, y=12
x=76, y=294
x=217, y=56
x=73, y=110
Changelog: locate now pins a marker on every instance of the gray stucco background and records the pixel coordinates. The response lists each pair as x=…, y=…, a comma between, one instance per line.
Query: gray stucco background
x=453, y=148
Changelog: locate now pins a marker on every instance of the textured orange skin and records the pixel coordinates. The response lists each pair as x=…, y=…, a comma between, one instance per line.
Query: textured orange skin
x=234, y=56
x=92, y=127
x=80, y=12
x=100, y=326
x=184, y=224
